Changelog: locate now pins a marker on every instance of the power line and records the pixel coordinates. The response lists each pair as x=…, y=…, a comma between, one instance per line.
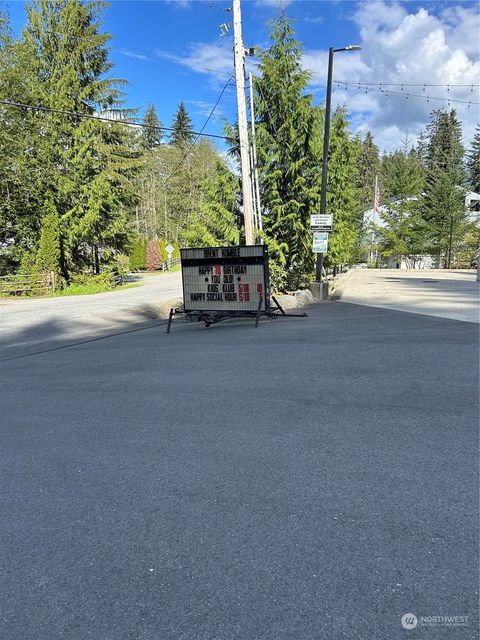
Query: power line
x=88, y=116
x=199, y=134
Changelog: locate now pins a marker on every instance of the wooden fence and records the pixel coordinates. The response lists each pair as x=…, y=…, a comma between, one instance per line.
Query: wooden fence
x=24, y=284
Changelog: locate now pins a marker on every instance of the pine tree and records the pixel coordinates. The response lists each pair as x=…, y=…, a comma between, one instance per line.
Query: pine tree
x=182, y=127
x=289, y=152
x=341, y=193
x=368, y=167
x=215, y=223
x=151, y=137
x=444, y=200
x=47, y=258
x=138, y=254
x=444, y=149
x=473, y=162
x=86, y=163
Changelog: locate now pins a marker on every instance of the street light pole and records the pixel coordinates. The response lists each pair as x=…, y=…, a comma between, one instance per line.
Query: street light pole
x=326, y=142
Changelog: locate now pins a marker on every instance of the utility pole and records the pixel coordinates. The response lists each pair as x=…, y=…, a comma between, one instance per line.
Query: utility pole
x=254, y=163
x=239, y=51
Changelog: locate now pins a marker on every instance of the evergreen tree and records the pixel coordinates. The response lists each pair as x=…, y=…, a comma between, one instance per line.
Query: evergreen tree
x=444, y=200
x=402, y=233
x=473, y=162
x=368, y=167
x=151, y=137
x=138, y=254
x=47, y=258
x=444, y=149
x=289, y=152
x=86, y=163
x=182, y=127
x=401, y=174
x=341, y=192
x=215, y=223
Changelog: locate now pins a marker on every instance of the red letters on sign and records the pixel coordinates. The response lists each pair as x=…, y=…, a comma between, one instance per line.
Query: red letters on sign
x=218, y=270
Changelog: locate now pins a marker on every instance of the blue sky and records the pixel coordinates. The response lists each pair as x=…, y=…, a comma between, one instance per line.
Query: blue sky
x=172, y=50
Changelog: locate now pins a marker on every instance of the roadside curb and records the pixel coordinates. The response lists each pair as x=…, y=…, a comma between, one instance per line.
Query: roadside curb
x=340, y=284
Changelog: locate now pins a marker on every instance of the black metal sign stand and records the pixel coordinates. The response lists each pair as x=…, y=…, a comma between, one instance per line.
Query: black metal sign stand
x=213, y=317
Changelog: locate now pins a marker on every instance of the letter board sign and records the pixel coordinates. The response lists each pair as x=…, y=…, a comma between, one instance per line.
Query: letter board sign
x=225, y=278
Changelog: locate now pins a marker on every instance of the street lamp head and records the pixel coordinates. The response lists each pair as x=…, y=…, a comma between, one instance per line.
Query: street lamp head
x=353, y=47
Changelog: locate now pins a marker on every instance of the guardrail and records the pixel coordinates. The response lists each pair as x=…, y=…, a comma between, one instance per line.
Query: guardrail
x=25, y=283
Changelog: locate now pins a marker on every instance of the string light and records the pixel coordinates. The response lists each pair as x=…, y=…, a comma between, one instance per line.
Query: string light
x=381, y=87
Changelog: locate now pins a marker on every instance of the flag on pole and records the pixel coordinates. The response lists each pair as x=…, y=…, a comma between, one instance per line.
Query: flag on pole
x=376, y=202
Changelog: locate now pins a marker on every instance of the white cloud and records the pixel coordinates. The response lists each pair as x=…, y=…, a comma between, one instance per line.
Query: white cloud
x=212, y=59
x=274, y=4
x=401, y=47
x=314, y=19
x=133, y=54
x=180, y=4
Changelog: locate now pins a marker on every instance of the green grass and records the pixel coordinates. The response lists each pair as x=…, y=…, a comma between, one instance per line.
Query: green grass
x=92, y=288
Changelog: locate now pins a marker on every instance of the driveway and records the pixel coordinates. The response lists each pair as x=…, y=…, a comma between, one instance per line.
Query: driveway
x=437, y=292
x=28, y=323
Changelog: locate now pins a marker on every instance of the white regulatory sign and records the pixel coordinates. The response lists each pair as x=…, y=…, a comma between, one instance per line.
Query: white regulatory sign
x=169, y=249
x=320, y=242
x=321, y=222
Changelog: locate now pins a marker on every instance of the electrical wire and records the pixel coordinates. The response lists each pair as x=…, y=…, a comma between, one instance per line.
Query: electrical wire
x=88, y=116
x=194, y=141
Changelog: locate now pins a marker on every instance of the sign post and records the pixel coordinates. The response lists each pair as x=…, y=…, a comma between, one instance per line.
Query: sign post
x=169, y=249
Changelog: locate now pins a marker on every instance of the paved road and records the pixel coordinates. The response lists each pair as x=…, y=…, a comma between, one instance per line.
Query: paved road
x=36, y=323
x=311, y=479
x=449, y=294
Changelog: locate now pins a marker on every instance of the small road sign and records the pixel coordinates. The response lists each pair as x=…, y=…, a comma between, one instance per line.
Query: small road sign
x=321, y=222
x=169, y=249
x=320, y=242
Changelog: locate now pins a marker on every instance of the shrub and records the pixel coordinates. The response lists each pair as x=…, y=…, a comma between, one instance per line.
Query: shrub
x=154, y=261
x=138, y=255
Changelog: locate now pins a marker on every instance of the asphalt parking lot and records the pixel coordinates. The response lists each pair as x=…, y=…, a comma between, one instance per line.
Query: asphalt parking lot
x=310, y=479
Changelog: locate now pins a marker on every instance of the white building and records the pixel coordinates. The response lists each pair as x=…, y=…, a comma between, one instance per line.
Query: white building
x=373, y=218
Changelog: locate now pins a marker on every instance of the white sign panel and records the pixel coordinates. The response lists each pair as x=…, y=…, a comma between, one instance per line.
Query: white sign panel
x=225, y=278
x=323, y=221
x=320, y=242
x=169, y=249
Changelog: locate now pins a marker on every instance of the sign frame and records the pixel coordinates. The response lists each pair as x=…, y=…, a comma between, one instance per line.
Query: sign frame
x=321, y=222
x=320, y=237
x=227, y=256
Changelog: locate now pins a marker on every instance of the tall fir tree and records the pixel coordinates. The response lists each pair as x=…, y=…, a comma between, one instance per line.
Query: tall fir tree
x=86, y=163
x=151, y=136
x=289, y=152
x=473, y=162
x=444, y=208
x=216, y=220
x=182, y=127
x=47, y=258
x=341, y=193
x=368, y=167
